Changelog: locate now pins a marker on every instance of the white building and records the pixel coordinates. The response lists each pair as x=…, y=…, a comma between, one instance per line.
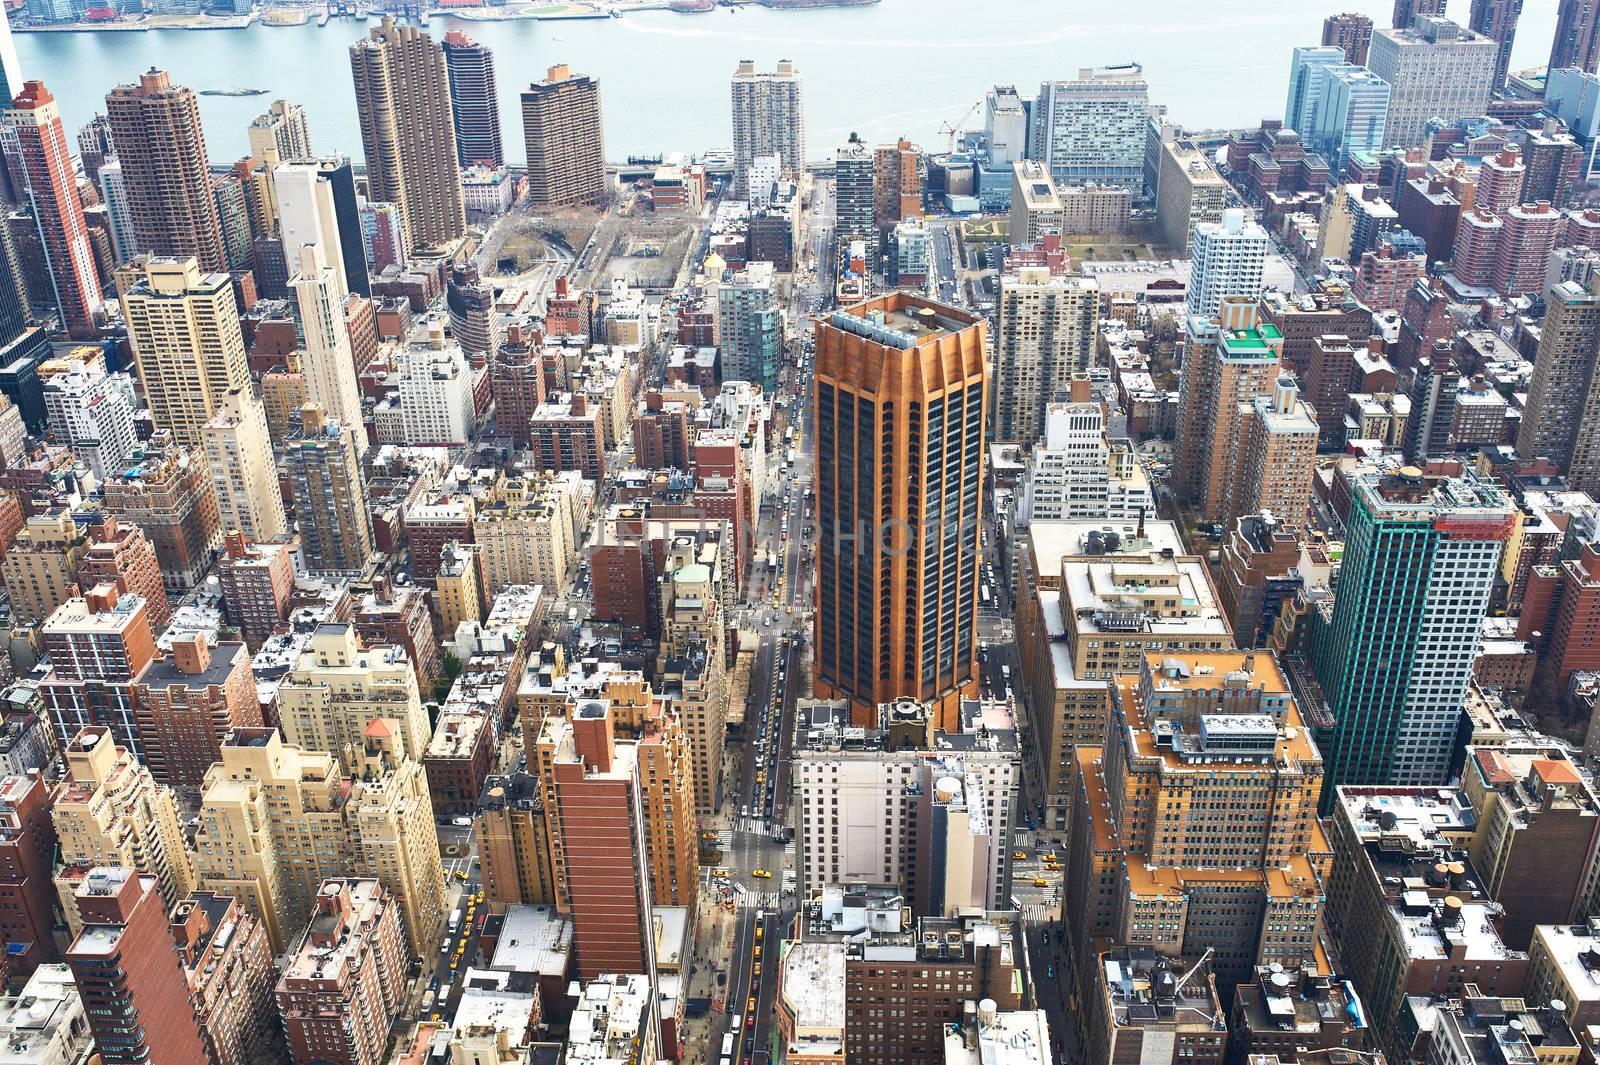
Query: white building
x=328, y=365
x=1079, y=473
x=762, y=176
x=91, y=412
x=932, y=819
x=1005, y=125
x=119, y=212
x=436, y=406
x=1435, y=69
x=307, y=216
x=243, y=471
x=1093, y=129
x=1046, y=334
x=46, y=1023
x=1228, y=258
x=487, y=192
x=614, y=1020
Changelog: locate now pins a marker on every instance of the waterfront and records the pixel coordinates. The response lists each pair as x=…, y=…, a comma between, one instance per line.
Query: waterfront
x=898, y=67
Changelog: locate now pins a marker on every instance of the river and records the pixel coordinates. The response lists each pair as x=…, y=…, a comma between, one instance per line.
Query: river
x=900, y=67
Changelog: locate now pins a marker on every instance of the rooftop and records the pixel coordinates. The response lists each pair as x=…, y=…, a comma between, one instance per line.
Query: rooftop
x=813, y=985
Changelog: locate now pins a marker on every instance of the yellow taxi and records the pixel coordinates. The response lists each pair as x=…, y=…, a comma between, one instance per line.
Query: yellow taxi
x=758, y=952
x=708, y=835
x=762, y=873
x=1020, y=855
x=760, y=931
x=461, y=874
x=750, y=1004
x=1040, y=881
x=720, y=874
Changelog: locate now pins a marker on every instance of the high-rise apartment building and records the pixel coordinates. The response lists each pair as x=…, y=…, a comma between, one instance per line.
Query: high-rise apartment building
x=167, y=492
x=330, y=499
x=1228, y=258
x=901, y=803
x=1046, y=334
x=1189, y=191
x=1076, y=471
x=328, y=365
x=1529, y=234
x=97, y=645
x=896, y=183
x=1562, y=416
x=902, y=387
x=565, y=138
x=1279, y=448
x=1350, y=31
x=119, y=211
x=283, y=129
x=768, y=119
x=599, y=814
x=109, y=810
x=1577, y=38
x=1092, y=129
x=693, y=665
x=27, y=895
x=34, y=120
x=1395, y=658
x=1497, y=20
x=186, y=702
x=244, y=474
x=315, y=203
x=513, y=835
x=162, y=149
x=852, y=201
x=227, y=964
x=345, y=977
x=750, y=323
x=408, y=132
x=41, y=568
x=335, y=688
x=183, y=326
x=92, y=412
x=1435, y=69
x=1158, y=860
x=470, y=66
x=1231, y=359
x=1407, y=12
x=133, y=986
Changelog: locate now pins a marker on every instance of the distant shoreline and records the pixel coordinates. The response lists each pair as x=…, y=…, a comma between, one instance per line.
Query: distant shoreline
x=271, y=16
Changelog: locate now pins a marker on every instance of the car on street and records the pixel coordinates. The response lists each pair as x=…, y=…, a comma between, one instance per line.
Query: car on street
x=762, y=873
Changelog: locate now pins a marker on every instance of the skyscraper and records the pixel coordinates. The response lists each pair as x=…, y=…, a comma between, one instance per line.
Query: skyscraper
x=239, y=455
x=330, y=501
x=1407, y=11
x=852, y=201
x=1306, y=64
x=1005, y=125
x=95, y=147
x=52, y=186
x=133, y=987
x=162, y=148
x=183, y=326
x=1497, y=20
x=282, y=129
x=1352, y=32
x=750, y=327
x=1435, y=69
x=599, y=814
x=1046, y=332
x=1227, y=258
x=1577, y=37
x=1562, y=416
x=902, y=386
x=10, y=68
x=473, y=102
x=565, y=138
x=315, y=203
x=408, y=131
x=1352, y=115
x=768, y=119
x=329, y=367
x=1393, y=663
x=1093, y=128
x=119, y=212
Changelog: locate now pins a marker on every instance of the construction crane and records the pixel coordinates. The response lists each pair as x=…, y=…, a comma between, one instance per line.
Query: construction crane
x=953, y=129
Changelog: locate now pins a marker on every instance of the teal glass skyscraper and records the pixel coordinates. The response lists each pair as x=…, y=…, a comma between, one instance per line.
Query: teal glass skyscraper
x=1394, y=659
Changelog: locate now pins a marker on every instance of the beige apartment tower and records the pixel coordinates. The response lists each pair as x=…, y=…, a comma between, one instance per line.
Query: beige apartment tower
x=184, y=328
x=565, y=139
x=336, y=687
x=110, y=811
x=238, y=452
x=1279, y=455
x=769, y=118
x=1046, y=334
x=408, y=132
